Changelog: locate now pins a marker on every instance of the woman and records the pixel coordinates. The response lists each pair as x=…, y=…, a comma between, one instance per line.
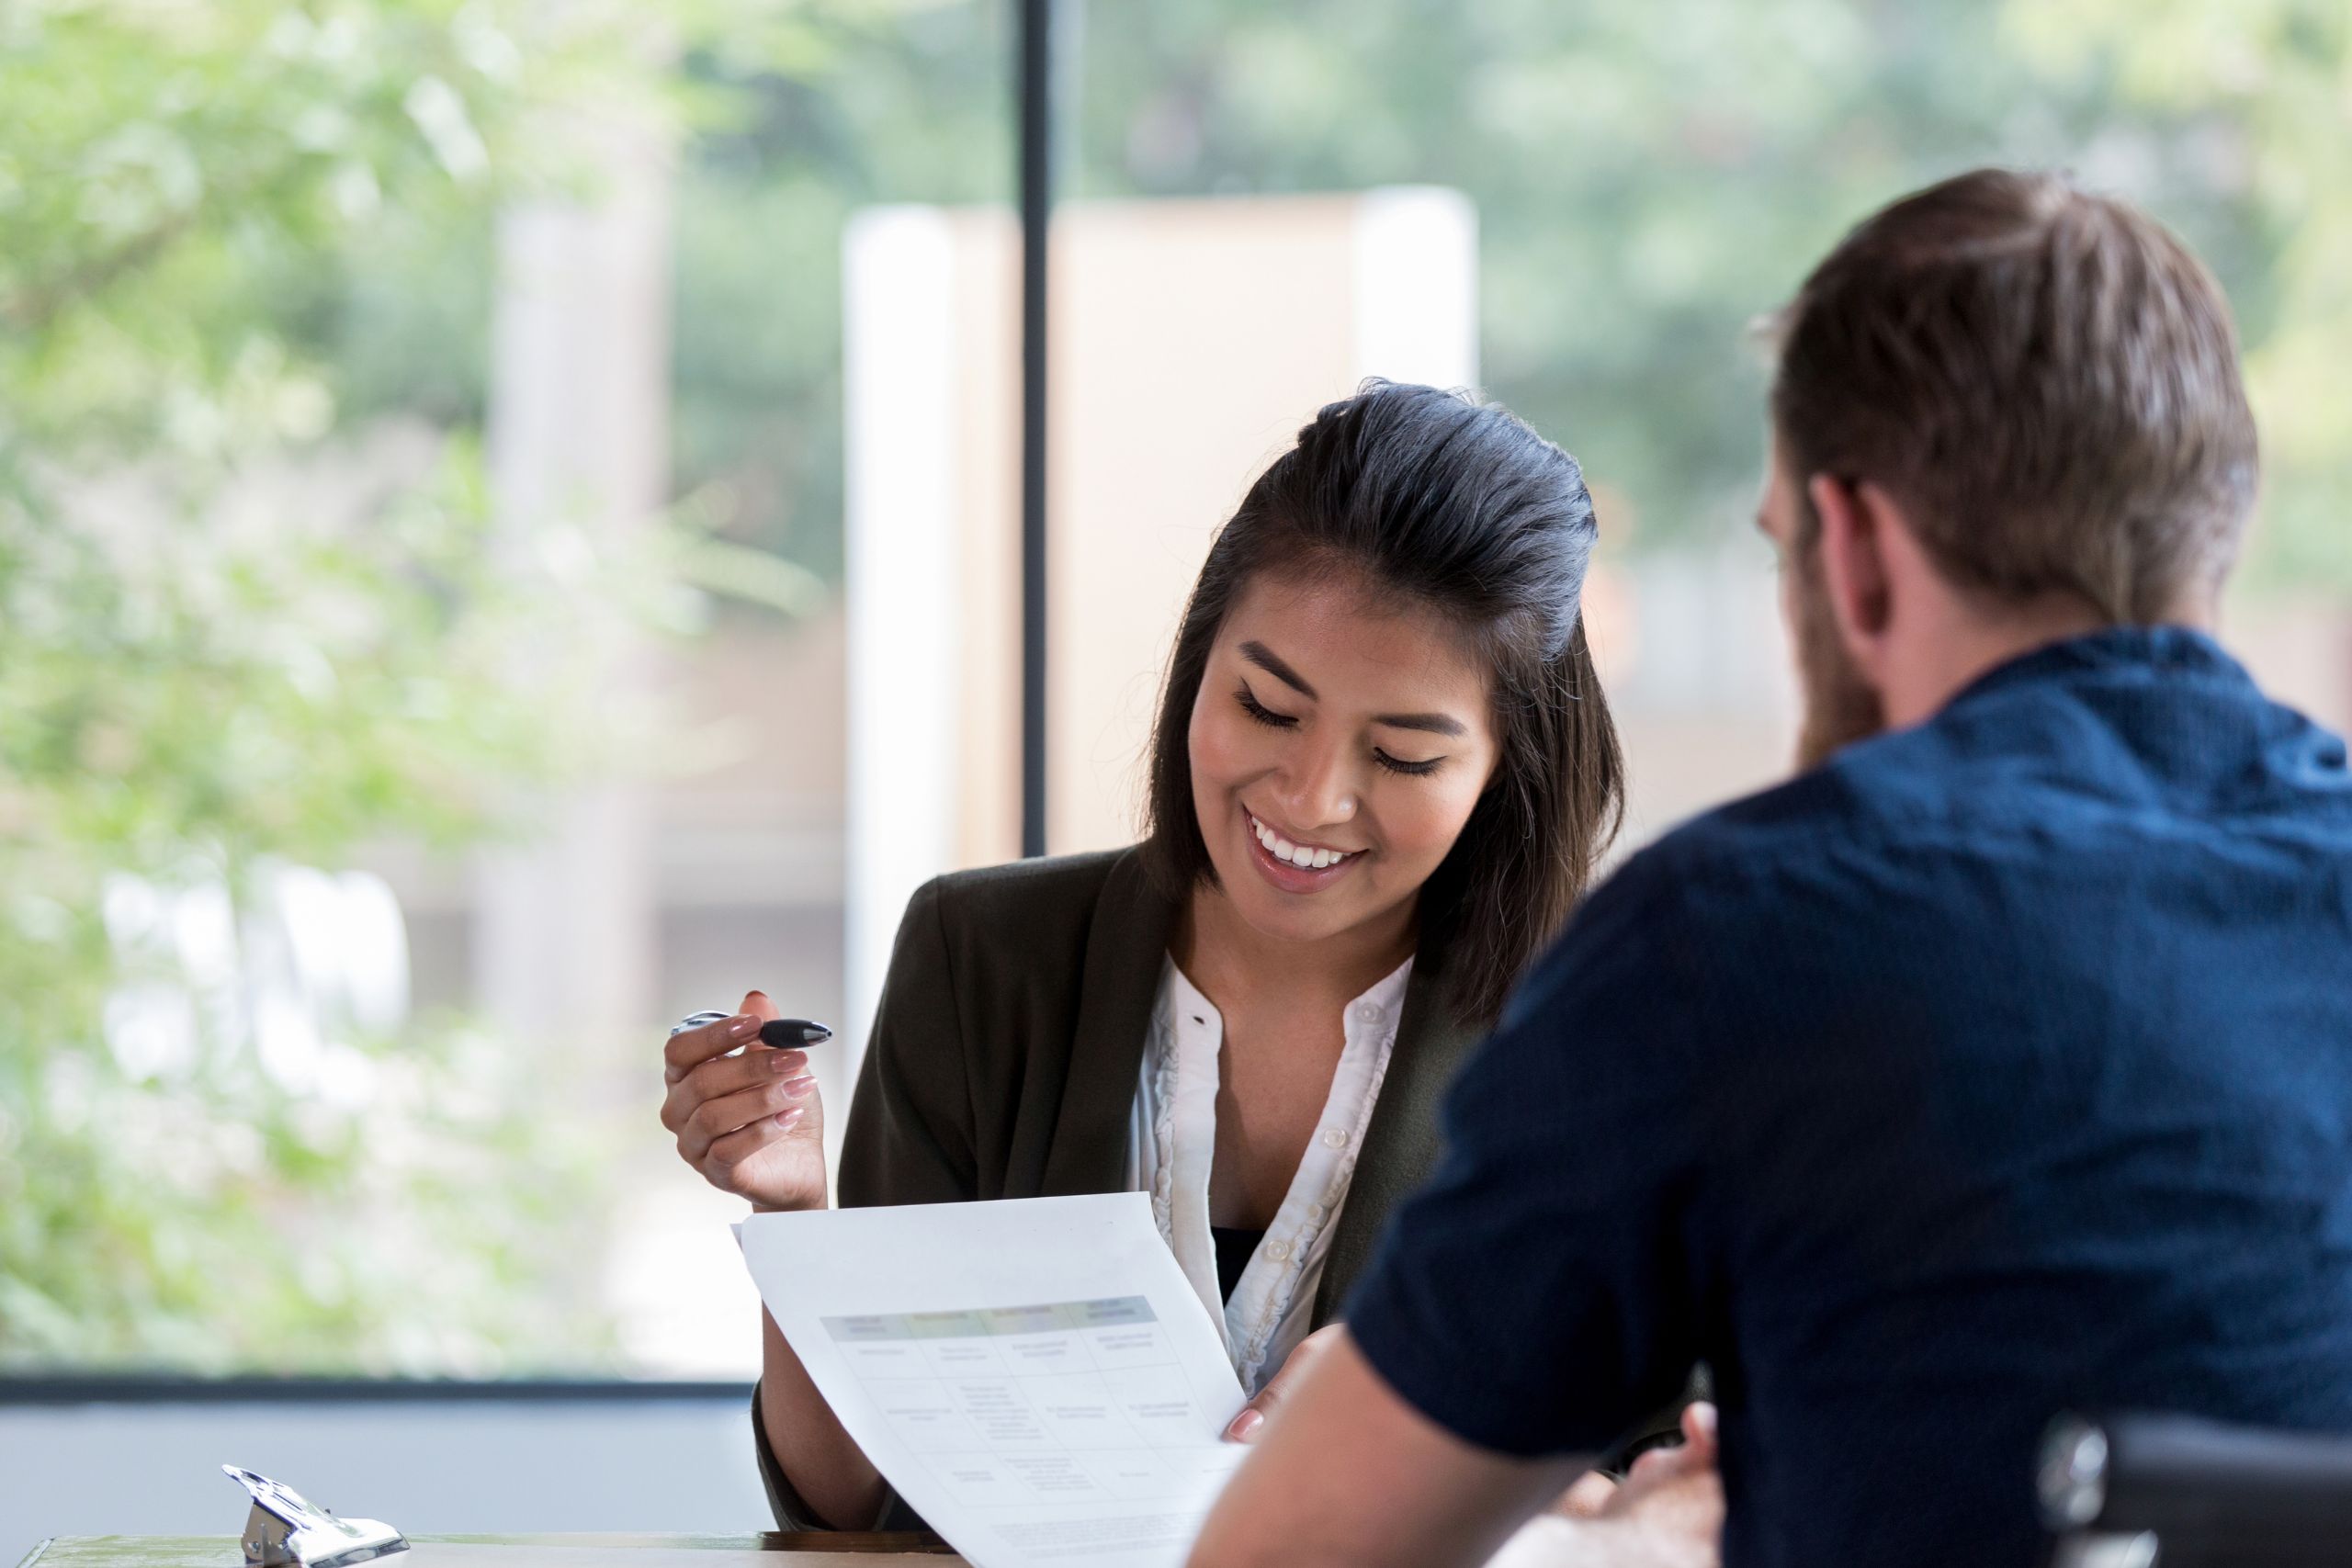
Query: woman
x=1380, y=774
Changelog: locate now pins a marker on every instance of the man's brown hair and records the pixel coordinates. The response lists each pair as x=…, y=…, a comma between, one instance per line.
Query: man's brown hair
x=2046, y=379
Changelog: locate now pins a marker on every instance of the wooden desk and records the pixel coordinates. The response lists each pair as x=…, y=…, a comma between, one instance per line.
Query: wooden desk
x=821, y=1550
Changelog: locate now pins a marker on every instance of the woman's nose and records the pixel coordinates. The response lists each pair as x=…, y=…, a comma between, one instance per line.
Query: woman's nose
x=1320, y=788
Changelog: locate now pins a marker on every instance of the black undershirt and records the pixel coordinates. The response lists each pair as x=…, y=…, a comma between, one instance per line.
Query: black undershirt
x=1234, y=1250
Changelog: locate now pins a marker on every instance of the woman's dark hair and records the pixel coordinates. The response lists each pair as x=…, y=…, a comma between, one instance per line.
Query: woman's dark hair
x=1458, y=506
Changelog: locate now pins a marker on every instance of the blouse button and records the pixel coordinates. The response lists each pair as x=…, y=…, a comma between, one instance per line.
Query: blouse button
x=1335, y=1138
x=1368, y=1012
x=1280, y=1250
x=1315, y=1212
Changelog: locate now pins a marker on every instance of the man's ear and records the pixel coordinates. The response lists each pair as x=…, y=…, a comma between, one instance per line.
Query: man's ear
x=1855, y=521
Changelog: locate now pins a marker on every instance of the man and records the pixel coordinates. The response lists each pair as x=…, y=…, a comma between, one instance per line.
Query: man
x=2000, y=1065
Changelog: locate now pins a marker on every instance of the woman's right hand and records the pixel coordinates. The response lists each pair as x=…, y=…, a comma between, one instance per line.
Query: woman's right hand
x=753, y=1124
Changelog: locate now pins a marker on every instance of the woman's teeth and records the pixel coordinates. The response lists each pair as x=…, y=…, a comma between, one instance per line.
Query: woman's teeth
x=1282, y=850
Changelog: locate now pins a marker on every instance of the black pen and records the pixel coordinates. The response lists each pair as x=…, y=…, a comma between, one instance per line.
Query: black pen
x=789, y=1034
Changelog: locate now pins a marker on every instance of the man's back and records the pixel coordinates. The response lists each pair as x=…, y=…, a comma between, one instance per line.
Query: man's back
x=2000, y=1066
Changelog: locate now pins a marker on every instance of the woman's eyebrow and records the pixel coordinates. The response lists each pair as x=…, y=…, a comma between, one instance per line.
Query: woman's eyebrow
x=1435, y=723
x=1265, y=659
x=1259, y=654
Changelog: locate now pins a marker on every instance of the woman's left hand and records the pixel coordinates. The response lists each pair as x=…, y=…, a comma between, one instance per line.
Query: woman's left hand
x=1250, y=1420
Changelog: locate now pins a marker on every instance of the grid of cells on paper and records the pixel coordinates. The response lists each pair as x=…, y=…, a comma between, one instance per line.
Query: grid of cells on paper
x=1068, y=1402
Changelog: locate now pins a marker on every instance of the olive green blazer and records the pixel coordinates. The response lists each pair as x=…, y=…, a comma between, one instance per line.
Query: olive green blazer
x=1005, y=1054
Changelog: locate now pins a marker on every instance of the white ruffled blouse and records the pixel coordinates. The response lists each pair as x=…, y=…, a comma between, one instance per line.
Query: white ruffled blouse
x=1173, y=1142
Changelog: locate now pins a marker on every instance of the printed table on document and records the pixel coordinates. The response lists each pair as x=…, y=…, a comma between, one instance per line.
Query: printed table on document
x=1066, y=1401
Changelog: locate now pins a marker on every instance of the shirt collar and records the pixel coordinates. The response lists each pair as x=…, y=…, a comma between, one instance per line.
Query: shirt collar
x=1383, y=1002
x=2154, y=649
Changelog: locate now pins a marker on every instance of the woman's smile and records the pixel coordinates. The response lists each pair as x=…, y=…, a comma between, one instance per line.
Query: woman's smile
x=1291, y=865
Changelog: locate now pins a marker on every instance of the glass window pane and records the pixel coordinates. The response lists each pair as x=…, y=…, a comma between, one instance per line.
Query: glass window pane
x=507, y=533
x=422, y=669
x=1649, y=183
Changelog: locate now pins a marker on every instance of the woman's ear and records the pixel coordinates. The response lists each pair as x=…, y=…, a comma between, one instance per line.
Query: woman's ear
x=1854, y=522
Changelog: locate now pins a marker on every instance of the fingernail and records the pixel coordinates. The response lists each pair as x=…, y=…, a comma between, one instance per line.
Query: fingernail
x=737, y=1028
x=786, y=1118
x=1245, y=1426
x=798, y=1087
x=788, y=1061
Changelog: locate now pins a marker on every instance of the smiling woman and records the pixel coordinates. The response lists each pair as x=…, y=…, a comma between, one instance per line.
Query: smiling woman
x=1381, y=771
x=1422, y=558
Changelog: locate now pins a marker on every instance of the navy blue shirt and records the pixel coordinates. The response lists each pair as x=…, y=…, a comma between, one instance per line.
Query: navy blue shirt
x=2000, y=1066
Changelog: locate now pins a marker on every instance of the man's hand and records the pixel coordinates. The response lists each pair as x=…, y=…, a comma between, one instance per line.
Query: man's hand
x=1594, y=1495
x=1348, y=1473
x=1672, y=1501
x=1669, y=1513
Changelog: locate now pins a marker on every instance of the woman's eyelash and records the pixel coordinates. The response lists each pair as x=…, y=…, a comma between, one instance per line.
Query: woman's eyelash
x=1398, y=765
x=1272, y=720
x=1261, y=713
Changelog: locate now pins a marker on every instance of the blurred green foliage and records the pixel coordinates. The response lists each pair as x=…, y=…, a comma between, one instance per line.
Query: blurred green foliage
x=1649, y=180
x=239, y=633
x=247, y=244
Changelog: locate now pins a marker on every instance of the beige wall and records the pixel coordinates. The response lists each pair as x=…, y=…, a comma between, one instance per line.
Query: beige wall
x=1196, y=338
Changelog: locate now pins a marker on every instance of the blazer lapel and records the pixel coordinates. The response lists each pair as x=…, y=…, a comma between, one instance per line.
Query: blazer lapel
x=1402, y=1145
x=1125, y=945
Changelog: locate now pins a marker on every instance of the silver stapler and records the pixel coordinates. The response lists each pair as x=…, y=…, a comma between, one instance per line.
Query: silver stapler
x=286, y=1529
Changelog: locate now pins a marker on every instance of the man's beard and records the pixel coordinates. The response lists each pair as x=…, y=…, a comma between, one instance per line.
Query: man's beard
x=1840, y=707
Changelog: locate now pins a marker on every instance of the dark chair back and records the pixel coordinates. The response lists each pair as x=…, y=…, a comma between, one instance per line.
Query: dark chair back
x=2137, y=1491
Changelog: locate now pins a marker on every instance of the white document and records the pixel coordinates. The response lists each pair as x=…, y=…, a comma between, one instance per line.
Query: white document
x=1037, y=1378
